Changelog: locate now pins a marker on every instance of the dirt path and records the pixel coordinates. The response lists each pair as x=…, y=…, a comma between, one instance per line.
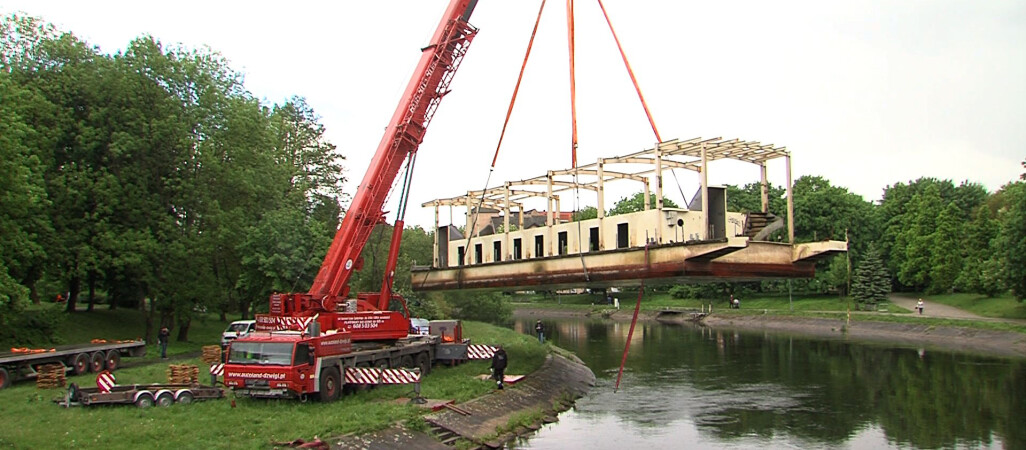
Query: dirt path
x=931, y=309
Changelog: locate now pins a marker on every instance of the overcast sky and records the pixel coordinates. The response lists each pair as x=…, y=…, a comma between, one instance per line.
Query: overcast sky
x=863, y=93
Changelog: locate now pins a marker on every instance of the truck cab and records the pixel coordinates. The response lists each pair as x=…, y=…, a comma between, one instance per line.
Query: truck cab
x=286, y=364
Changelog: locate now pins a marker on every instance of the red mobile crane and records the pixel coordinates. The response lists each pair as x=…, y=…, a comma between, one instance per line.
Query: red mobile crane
x=275, y=362
x=369, y=318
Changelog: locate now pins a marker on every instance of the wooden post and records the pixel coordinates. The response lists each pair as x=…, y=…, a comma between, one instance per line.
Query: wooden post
x=659, y=193
x=434, y=254
x=548, y=214
x=790, y=202
x=763, y=187
x=705, y=195
x=505, y=225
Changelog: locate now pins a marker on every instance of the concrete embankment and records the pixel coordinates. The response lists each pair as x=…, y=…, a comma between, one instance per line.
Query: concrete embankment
x=547, y=391
x=544, y=393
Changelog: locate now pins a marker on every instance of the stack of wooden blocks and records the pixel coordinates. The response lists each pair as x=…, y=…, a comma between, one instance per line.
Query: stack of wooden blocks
x=51, y=376
x=182, y=374
x=211, y=354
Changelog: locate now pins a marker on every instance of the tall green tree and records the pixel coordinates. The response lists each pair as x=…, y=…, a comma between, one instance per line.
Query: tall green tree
x=946, y=257
x=871, y=283
x=23, y=199
x=982, y=271
x=749, y=198
x=1011, y=241
x=823, y=211
x=916, y=240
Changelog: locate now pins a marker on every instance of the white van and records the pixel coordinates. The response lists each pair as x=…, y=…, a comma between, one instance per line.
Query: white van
x=236, y=329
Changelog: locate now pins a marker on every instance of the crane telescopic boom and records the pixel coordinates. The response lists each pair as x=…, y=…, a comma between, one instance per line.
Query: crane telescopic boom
x=428, y=85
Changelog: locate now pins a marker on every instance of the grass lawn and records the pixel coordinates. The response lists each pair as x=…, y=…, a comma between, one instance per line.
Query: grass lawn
x=32, y=420
x=1004, y=306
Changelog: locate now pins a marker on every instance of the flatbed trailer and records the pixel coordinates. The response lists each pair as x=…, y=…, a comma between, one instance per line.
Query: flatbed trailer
x=76, y=359
x=141, y=395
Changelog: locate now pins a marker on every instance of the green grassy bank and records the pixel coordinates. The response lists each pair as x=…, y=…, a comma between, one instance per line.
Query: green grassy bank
x=1001, y=307
x=654, y=301
x=32, y=420
x=819, y=306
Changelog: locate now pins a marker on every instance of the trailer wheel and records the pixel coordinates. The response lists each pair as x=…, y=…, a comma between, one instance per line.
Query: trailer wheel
x=165, y=399
x=144, y=401
x=5, y=378
x=80, y=364
x=185, y=398
x=424, y=363
x=330, y=385
x=113, y=360
x=73, y=393
x=96, y=362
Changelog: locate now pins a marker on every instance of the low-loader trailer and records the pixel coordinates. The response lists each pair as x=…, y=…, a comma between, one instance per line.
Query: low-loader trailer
x=23, y=363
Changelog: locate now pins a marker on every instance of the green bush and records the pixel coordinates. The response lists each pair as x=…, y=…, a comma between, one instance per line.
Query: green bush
x=489, y=307
x=36, y=327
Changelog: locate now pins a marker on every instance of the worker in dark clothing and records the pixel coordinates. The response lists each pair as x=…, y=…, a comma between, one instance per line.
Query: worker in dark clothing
x=539, y=329
x=162, y=338
x=499, y=366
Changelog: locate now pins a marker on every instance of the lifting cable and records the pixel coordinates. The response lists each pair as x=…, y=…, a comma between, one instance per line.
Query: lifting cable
x=637, y=88
x=651, y=122
x=573, y=82
x=573, y=135
x=509, y=112
x=629, y=72
x=513, y=100
x=580, y=238
x=630, y=334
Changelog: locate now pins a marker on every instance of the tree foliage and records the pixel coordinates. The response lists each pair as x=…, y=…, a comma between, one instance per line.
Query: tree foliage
x=153, y=174
x=1011, y=242
x=871, y=283
x=636, y=203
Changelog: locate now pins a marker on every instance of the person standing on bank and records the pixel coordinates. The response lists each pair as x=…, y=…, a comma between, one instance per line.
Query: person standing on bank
x=539, y=329
x=499, y=366
x=919, y=306
x=162, y=338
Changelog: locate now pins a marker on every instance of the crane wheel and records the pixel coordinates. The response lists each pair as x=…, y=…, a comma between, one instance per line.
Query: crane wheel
x=406, y=362
x=331, y=385
x=424, y=363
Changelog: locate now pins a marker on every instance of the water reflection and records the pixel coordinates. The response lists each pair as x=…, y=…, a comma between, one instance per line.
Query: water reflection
x=722, y=389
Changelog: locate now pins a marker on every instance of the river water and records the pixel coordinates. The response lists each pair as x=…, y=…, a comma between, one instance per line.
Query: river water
x=686, y=386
